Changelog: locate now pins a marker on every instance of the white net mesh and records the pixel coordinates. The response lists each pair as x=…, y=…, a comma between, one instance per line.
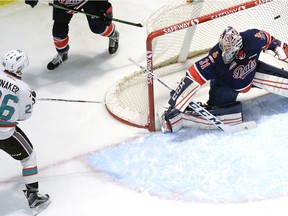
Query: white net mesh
x=269, y=16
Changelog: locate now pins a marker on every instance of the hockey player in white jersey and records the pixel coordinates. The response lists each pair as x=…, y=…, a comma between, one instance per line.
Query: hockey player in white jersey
x=16, y=104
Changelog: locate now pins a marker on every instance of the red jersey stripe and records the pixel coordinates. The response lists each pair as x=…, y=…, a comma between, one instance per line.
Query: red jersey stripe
x=193, y=72
x=61, y=43
x=109, y=30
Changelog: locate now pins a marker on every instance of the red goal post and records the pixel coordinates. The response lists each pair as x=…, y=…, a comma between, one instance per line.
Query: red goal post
x=178, y=34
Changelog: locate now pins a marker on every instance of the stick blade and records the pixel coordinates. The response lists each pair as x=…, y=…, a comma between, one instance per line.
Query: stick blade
x=239, y=127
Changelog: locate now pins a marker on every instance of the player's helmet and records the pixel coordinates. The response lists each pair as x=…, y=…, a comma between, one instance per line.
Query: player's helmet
x=230, y=43
x=14, y=62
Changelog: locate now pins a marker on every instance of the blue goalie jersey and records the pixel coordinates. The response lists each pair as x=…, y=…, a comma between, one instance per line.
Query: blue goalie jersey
x=239, y=73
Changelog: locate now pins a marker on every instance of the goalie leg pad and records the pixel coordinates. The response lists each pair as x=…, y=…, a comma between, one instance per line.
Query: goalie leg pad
x=226, y=109
x=271, y=83
x=172, y=120
x=184, y=92
x=228, y=114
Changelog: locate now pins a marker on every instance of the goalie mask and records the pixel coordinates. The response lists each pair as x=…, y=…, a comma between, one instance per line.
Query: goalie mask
x=14, y=62
x=230, y=43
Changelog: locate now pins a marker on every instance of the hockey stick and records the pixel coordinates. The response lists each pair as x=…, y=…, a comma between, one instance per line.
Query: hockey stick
x=202, y=111
x=66, y=100
x=93, y=15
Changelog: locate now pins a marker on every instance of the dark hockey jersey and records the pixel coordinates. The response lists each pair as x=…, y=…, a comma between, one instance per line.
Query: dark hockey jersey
x=240, y=72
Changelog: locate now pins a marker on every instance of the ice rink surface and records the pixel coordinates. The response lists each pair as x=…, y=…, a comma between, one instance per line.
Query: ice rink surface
x=91, y=164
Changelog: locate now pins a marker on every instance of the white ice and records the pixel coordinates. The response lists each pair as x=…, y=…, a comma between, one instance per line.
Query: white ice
x=91, y=164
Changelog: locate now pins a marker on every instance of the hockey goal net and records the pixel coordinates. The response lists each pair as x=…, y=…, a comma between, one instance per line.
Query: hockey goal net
x=178, y=34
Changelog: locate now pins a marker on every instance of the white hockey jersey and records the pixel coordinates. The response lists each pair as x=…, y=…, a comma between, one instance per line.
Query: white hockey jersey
x=15, y=103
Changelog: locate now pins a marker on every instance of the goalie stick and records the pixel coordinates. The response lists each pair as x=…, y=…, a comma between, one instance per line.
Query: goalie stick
x=94, y=15
x=202, y=111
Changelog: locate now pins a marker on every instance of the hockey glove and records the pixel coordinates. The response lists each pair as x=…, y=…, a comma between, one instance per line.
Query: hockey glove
x=279, y=49
x=282, y=52
x=106, y=16
x=32, y=3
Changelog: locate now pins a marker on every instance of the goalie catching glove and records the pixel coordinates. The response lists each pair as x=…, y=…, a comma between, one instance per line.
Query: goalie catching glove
x=282, y=52
x=279, y=49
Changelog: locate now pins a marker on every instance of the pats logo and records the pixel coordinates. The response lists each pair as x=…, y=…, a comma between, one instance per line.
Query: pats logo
x=243, y=70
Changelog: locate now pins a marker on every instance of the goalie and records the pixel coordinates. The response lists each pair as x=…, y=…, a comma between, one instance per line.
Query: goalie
x=233, y=67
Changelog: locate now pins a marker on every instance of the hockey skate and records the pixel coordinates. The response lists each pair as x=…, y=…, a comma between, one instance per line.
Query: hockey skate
x=37, y=202
x=113, y=43
x=58, y=60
